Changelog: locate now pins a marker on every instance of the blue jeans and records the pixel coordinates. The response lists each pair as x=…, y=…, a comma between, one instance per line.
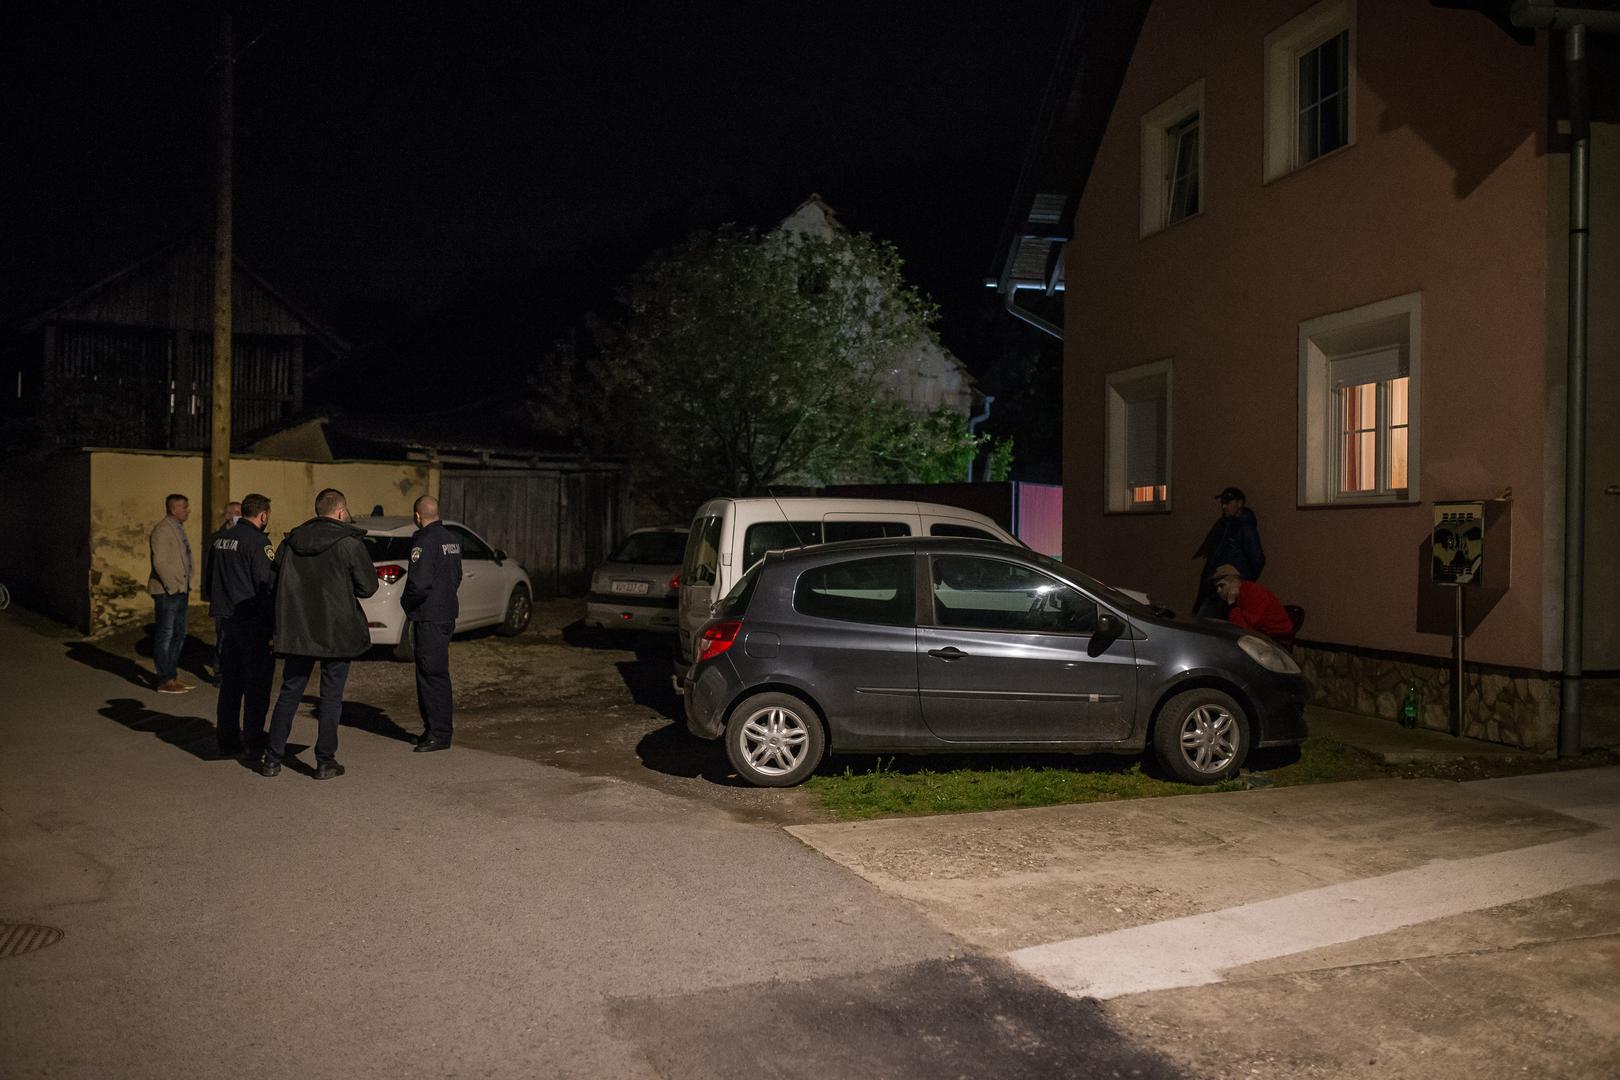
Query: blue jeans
x=168, y=634
x=295, y=671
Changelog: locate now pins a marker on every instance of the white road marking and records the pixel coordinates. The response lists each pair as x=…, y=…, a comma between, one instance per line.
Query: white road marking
x=1195, y=950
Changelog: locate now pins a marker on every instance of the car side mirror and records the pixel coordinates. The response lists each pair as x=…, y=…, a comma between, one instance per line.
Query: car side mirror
x=500, y=556
x=1110, y=628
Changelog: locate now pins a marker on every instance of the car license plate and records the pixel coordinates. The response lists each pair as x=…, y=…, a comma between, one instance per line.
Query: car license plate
x=632, y=588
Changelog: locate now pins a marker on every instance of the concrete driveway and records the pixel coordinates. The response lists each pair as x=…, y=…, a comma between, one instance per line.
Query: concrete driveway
x=1376, y=929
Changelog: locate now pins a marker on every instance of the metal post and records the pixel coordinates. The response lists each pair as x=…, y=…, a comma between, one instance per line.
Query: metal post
x=1460, y=713
x=217, y=483
x=1569, y=708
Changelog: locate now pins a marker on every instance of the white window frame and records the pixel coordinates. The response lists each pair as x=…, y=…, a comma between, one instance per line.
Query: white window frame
x=1283, y=48
x=1158, y=157
x=1123, y=387
x=1383, y=337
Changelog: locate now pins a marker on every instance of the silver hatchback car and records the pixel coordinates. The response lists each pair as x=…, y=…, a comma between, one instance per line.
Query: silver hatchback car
x=934, y=644
x=638, y=587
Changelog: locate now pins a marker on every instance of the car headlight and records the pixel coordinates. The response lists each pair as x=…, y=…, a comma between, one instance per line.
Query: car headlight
x=1268, y=654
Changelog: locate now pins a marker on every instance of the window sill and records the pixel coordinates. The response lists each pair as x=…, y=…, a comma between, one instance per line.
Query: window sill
x=1297, y=169
x=1358, y=504
x=1147, y=511
x=1166, y=227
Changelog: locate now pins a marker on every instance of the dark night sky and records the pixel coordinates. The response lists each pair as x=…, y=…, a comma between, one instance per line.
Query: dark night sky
x=391, y=157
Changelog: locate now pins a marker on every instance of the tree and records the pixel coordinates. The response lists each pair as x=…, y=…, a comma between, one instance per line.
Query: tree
x=741, y=361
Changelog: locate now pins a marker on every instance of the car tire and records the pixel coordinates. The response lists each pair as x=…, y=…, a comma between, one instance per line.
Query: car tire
x=406, y=649
x=775, y=740
x=1202, y=736
x=519, y=609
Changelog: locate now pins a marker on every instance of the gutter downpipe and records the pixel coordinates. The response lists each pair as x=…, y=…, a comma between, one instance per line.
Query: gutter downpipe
x=1011, y=304
x=1580, y=132
x=973, y=427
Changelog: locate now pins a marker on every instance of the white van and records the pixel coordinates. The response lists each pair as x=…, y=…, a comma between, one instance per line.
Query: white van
x=730, y=535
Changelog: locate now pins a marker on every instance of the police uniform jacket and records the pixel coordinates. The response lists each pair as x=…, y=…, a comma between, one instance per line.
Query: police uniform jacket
x=323, y=571
x=241, y=573
x=434, y=575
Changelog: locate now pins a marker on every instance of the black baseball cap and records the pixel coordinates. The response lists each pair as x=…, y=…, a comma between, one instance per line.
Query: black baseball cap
x=1230, y=494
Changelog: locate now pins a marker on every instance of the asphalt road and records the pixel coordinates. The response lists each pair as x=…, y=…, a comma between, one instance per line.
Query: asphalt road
x=458, y=914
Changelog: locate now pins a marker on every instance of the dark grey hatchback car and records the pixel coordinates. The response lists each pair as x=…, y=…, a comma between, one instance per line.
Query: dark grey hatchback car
x=918, y=645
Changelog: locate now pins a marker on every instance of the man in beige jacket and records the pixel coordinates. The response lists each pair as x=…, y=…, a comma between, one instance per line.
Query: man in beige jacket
x=170, y=586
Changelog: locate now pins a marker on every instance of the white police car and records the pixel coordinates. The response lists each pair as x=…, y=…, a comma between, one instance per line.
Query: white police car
x=494, y=591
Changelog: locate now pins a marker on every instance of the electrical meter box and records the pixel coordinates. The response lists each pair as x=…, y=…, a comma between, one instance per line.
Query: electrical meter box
x=1472, y=543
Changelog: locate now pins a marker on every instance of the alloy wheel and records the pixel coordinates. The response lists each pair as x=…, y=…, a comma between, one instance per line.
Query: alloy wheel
x=1209, y=738
x=775, y=741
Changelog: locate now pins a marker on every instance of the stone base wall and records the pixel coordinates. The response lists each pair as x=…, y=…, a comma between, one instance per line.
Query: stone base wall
x=1503, y=708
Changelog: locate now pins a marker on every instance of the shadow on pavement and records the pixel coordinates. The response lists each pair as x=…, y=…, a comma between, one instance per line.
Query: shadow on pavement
x=194, y=655
x=370, y=719
x=673, y=751
x=193, y=734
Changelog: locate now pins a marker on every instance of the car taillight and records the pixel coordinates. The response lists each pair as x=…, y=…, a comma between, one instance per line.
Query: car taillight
x=675, y=582
x=718, y=638
x=390, y=573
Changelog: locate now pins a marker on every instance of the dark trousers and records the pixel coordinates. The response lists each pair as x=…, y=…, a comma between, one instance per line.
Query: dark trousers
x=219, y=646
x=246, y=667
x=432, y=648
x=168, y=634
x=295, y=671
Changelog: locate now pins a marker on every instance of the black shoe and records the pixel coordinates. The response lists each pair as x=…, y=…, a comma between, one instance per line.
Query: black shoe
x=427, y=746
x=229, y=750
x=329, y=770
x=422, y=738
x=269, y=767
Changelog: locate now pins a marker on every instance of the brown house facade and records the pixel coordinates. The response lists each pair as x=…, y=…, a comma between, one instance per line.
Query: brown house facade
x=1320, y=255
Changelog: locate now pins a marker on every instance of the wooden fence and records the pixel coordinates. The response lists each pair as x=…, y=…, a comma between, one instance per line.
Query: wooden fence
x=558, y=522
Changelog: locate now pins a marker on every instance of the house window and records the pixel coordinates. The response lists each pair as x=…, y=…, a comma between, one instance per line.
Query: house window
x=1138, y=451
x=1173, y=160
x=1183, y=155
x=1359, y=390
x=1310, y=87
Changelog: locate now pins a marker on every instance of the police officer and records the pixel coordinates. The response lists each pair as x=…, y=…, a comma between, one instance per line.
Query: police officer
x=431, y=606
x=241, y=581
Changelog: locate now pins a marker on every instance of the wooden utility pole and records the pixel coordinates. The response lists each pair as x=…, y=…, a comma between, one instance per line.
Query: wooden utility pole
x=218, y=479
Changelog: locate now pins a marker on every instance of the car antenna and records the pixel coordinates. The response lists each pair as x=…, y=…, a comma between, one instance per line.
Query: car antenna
x=785, y=519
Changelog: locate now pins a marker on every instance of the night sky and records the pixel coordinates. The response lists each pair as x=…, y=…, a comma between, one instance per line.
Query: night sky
x=394, y=160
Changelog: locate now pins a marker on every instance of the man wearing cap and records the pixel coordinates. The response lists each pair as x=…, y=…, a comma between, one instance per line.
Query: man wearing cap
x=1233, y=541
x=1254, y=607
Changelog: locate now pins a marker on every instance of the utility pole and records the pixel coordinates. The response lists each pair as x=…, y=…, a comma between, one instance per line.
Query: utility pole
x=217, y=482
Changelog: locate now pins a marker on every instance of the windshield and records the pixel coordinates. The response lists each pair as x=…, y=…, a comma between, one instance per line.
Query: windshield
x=657, y=548
x=1128, y=605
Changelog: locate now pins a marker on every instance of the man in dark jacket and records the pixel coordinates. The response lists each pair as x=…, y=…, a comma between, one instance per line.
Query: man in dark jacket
x=1233, y=540
x=241, y=583
x=233, y=514
x=323, y=571
x=431, y=605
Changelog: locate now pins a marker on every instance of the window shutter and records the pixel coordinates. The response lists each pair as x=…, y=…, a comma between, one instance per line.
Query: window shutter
x=1144, y=442
x=1376, y=365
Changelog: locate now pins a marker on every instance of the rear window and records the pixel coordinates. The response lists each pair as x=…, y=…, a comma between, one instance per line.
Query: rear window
x=702, y=560
x=735, y=603
x=880, y=590
x=656, y=548
x=778, y=536
x=969, y=532
x=386, y=548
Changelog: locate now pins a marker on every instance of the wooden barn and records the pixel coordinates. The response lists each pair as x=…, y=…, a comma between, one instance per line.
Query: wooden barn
x=128, y=361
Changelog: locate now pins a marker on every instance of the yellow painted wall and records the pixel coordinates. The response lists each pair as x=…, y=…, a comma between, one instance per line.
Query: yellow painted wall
x=127, y=489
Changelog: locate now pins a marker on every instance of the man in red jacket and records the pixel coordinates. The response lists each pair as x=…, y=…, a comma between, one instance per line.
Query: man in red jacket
x=1254, y=607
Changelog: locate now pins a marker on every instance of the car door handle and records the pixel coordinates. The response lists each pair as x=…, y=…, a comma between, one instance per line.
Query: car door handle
x=949, y=652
